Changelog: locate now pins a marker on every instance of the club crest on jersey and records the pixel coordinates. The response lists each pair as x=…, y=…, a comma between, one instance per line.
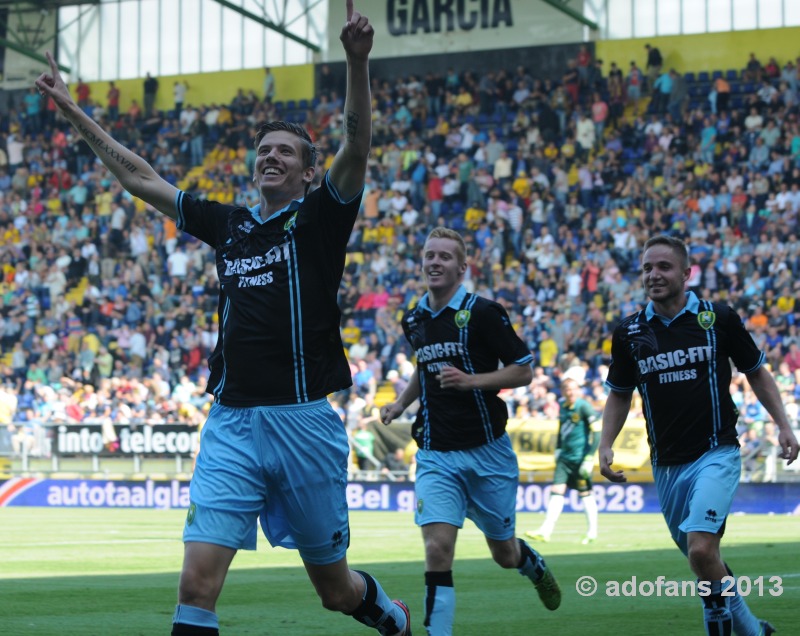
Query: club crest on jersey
x=191, y=514
x=290, y=223
x=462, y=318
x=706, y=319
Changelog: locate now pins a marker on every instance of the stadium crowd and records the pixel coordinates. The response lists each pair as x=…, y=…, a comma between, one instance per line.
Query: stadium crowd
x=107, y=312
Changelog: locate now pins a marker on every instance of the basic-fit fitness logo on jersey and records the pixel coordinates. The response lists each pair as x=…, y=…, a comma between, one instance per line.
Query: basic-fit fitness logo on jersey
x=673, y=359
x=438, y=354
x=439, y=350
x=242, y=266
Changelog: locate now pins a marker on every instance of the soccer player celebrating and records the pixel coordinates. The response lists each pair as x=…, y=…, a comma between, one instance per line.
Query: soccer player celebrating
x=465, y=464
x=273, y=448
x=578, y=438
x=676, y=352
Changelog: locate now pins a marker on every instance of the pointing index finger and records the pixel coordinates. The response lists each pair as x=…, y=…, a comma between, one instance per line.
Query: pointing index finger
x=349, y=5
x=52, y=62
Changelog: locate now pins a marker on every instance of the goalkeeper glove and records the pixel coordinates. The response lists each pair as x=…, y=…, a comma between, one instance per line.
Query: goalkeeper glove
x=587, y=467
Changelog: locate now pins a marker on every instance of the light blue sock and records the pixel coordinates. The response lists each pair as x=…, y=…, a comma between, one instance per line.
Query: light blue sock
x=745, y=622
x=440, y=603
x=188, y=615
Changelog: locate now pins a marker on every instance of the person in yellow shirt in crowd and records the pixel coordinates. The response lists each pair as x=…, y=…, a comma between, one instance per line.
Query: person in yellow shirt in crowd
x=522, y=185
x=548, y=352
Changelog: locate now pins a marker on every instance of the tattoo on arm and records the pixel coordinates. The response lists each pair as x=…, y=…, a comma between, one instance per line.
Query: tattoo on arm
x=351, y=125
x=104, y=148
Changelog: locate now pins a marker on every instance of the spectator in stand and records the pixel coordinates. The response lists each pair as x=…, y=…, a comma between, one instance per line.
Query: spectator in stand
x=654, y=64
x=82, y=93
x=150, y=90
x=753, y=70
x=268, y=88
x=571, y=81
x=113, y=102
x=584, y=62
x=395, y=466
x=179, y=89
x=662, y=89
x=634, y=87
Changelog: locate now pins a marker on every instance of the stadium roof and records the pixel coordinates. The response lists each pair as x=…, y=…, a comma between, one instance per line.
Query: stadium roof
x=44, y=4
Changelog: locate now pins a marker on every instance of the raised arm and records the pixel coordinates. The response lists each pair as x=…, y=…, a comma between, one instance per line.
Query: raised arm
x=350, y=165
x=134, y=173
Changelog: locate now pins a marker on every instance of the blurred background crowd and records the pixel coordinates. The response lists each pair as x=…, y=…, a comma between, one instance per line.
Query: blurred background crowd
x=108, y=313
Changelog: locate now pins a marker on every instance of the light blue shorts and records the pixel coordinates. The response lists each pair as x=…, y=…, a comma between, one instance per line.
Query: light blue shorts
x=697, y=497
x=478, y=484
x=286, y=465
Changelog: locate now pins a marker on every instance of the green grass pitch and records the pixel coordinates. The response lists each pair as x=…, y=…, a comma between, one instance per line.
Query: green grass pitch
x=114, y=573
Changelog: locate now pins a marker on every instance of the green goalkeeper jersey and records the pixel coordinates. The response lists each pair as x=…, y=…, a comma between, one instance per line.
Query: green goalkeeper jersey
x=579, y=431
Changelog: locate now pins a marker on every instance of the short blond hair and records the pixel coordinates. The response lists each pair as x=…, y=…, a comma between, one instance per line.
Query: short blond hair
x=447, y=233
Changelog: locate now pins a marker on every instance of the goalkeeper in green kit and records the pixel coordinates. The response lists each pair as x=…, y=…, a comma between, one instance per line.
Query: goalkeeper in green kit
x=578, y=439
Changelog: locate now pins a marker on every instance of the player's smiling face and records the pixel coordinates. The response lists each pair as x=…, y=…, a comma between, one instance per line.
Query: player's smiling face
x=280, y=167
x=663, y=275
x=441, y=266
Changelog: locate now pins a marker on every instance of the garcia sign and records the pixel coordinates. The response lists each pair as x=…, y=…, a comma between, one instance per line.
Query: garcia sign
x=408, y=17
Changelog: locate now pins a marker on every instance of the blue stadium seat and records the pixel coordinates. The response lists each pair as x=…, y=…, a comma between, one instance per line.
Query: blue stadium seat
x=279, y=106
x=368, y=324
x=732, y=74
x=703, y=76
x=303, y=104
x=291, y=104
x=736, y=87
x=716, y=74
x=689, y=77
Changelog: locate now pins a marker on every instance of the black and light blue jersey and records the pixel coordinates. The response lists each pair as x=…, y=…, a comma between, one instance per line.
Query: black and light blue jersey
x=682, y=370
x=279, y=339
x=475, y=335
